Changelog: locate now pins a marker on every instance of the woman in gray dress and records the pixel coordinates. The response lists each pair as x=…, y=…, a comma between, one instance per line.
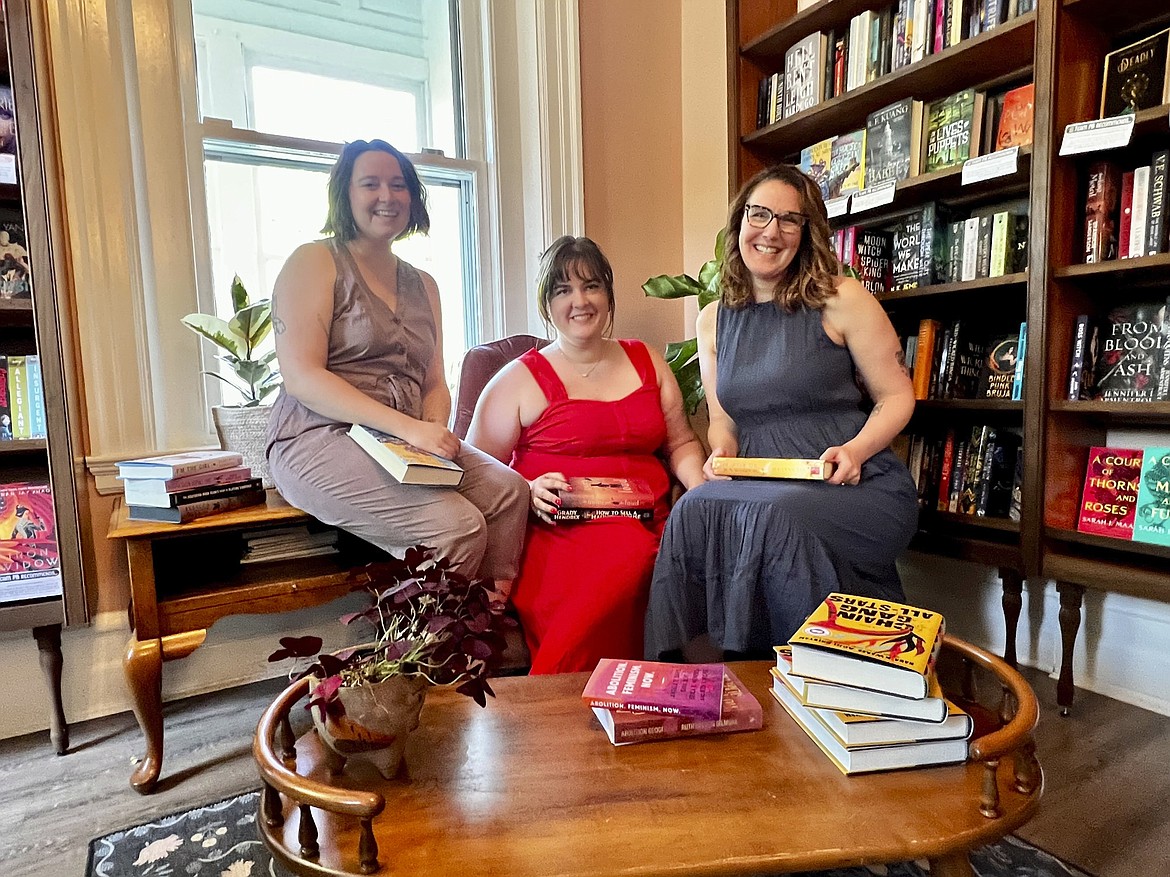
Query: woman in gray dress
x=745, y=561
x=359, y=339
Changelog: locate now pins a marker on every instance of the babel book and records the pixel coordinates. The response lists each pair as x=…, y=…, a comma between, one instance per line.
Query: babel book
x=408, y=464
x=1110, y=498
x=772, y=467
x=741, y=712
x=875, y=644
x=30, y=568
x=694, y=690
x=605, y=497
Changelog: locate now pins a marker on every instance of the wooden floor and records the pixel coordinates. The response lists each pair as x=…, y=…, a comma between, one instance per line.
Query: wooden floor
x=1107, y=781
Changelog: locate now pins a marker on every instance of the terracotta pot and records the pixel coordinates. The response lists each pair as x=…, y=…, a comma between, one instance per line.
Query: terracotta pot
x=245, y=431
x=377, y=722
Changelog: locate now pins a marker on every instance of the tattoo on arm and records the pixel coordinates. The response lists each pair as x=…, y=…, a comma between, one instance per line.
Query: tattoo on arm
x=900, y=358
x=277, y=325
x=877, y=407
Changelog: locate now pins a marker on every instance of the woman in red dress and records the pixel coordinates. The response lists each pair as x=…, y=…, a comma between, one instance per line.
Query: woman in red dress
x=585, y=406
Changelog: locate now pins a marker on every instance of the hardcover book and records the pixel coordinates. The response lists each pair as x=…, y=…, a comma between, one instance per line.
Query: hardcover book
x=893, y=142
x=1129, y=358
x=1151, y=523
x=1101, y=206
x=178, y=465
x=815, y=161
x=772, y=467
x=741, y=712
x=804, y=74
x=195, y=494
x=871, y=258
x=1109, y=500
x=847, y=164
x=158, y=491
x=874, y=644
x=29, y=564
x=855, y=730
x=907, y=270
x=591, y=499
x=1015, y=119
x=694, y=690
x=999, y=367
x=1136, y=76
x=952, y=130
x=1156, y=220
x=405, y=462
x=252, y=494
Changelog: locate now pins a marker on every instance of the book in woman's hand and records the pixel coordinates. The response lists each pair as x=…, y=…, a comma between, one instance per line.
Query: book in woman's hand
x=772, y=467
x=408, y=464
x=605, y=497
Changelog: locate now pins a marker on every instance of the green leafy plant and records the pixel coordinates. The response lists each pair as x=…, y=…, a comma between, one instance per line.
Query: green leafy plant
x=428, y=621
x=683, y=356
x=257, y=374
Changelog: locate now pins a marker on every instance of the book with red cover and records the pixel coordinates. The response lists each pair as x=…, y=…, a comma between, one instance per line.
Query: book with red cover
x=1109, y=501
x=741, y=712
x=29, y=564
x=694, y=690
x=1015, y=119
x=604, y=497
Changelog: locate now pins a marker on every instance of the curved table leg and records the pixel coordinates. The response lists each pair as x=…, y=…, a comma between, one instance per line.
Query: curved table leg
x=1012, y=602
x=1069, y=618
x=956, y=865
x=48, y=640
x=142, y=666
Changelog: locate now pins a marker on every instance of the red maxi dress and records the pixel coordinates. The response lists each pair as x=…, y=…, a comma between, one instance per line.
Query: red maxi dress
x=582, y=589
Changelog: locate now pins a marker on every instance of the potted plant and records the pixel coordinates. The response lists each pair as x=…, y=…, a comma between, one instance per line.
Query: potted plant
x=242, y=428
x=430, y=626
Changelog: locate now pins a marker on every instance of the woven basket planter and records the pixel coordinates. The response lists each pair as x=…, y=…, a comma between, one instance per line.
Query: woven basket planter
x=245, y=431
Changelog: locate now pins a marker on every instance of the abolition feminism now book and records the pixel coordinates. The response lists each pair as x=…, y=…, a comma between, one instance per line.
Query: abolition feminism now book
x=694, y=690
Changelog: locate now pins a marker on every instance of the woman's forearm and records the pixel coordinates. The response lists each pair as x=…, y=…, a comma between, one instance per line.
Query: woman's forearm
x=686, y=462
x=888, y=418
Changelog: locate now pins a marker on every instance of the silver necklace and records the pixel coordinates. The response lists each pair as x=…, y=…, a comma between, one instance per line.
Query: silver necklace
x=587, y=371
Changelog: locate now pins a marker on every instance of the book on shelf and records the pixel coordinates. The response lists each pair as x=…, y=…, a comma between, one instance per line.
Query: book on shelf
x=929, y=333
x=694, y=690
x=1156, y=219
x=1083, y=359
x=741, y=712
x=846, y=698
x=804, y=74
x=252, y=493
x=1101, y=204
x=907, y=265
x=159, y=491
x=1109, y=499
x=595, y=498
x=847, y=163
x=875, y=644
x=8, y=139
x=1135, y=76
x=192, y=495
x=772, y=467
x=168, y=466
x=1014, y=126
x=816, y=161
x=1125, y=215
x=867, y=759
x=953, y=126
x=999, y=366
x=1151, y=522
x=1130, y=354
x=5, y=408
x=287, y=543
x=871, y=258
x=406, y=463
x=30, y=567
x=1139, y=203
x=1021, y=359
x=893, y=142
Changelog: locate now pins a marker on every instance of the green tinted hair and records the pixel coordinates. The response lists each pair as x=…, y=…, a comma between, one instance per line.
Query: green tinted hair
x=339, y=221
x=568, y=256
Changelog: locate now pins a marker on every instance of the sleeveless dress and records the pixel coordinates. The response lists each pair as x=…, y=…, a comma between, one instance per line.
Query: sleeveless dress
x=581, y=593
x=747, y=560
x=318, y=468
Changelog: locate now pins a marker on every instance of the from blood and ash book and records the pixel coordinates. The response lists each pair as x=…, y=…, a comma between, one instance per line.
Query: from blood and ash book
x=1130, y=353
x=741, y=712
x=406, y=463
x=874, y=644
x=693, y=690
x=1151, y=522
x=1136, y=76
x=169, y=466
x=772, y=467
x=29, y=563
x=605, y=497
x=812, y=693
x=1109, y=500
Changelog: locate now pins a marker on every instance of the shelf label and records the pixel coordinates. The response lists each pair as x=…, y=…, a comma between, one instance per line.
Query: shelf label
x=837, y=206
x=987, y=167
x=1099, y=134
x=873, y=196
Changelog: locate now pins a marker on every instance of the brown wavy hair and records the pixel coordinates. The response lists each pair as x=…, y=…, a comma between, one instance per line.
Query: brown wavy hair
x=339, y=221
x=569, y=255
x=811, y=278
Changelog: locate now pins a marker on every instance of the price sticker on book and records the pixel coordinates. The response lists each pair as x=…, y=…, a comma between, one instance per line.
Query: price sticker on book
x=1111, y=133
x=873, y=196
x=1003, y=163
x=838, y=206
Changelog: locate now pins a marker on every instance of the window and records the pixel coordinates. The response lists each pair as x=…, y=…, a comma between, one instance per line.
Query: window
x=282, y=85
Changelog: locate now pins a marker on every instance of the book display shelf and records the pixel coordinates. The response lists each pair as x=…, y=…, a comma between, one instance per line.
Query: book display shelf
x=32, y=323
x=1060, y=46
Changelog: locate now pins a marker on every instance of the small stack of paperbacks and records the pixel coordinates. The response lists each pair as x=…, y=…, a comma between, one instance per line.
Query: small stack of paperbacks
x=642, y=701
x=288, y=543
x=177, y=488
x=858, y=676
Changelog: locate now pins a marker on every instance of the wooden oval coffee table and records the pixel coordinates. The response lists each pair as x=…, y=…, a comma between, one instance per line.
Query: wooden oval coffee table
x=532, y=786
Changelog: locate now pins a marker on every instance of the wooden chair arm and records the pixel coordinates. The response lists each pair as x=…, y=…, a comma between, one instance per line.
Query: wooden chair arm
x=1018, y=731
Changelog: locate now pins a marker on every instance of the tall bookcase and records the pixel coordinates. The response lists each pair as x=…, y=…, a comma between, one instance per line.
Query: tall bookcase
x=1061, y=46
x=40, y=325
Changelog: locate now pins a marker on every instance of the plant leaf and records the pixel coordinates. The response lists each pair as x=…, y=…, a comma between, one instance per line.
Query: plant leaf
x=709, y=275
x=665, y=286
x=296, y=647
x=218, y=331
x=679, y=353
x=253, y=324
x=239, y=294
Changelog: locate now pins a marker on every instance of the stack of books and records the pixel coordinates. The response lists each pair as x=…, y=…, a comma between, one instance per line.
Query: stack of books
x=858, y=677
x=177, y=488
x=287, y=543
x=642, y=701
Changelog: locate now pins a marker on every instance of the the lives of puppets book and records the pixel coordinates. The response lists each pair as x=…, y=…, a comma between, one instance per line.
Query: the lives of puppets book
x=867, y=759
x=29, y=564
x=694, y=690
x=178, y=465
x=741, y=712
x=406, y=463
x=812, y=693
x=867, y=643
x=605, y=497
x=893, y=142
x=952, y=130
x=1152, y=521
x=1136, y=76
x=1130, y=351
x=1109, y=501
x=1015, y=119
x=773, y=467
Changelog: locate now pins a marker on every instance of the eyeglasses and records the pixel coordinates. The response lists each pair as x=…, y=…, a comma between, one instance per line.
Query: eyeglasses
x=758, y=216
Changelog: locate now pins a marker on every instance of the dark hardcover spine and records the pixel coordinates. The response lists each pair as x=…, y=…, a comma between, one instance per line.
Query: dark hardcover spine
x=958, y=473
x=946, y=471
x=198, y=494
x=1164, y=375
x=952, y=357
x=1156, y=205
x=983, y=252
x=1076, y=366
x=597, y=514
x=983, y=485
x=5, y=407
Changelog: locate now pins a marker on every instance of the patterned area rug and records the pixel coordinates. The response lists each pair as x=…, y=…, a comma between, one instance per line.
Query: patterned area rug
x=220, y=840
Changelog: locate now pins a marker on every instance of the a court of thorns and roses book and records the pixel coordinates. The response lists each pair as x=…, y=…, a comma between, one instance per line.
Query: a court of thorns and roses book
x=741, y=712
x=1109, y=501
x=605, y=497
x=691, y=690
x=875, y=644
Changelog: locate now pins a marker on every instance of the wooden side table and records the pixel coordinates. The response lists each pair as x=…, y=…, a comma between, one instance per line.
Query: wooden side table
x=185, y=577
